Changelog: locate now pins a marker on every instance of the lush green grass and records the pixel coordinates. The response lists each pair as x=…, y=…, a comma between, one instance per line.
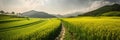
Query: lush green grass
x=6, y=16
x=33, y=29
x=18, y=23
x=112, y=13
x=92, y=28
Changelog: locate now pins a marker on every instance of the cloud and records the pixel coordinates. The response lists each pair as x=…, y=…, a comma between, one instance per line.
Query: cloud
x=69, y=6
x=54, y=6
x=18, y=5
x=97, y=4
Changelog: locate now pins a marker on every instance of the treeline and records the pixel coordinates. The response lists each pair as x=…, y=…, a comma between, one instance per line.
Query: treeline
x=9, y=13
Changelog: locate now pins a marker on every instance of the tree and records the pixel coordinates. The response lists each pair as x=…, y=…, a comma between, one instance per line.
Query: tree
x=2, y=12
x=13, y=12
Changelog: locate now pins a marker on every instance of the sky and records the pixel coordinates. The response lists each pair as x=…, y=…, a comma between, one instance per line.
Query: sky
x=54, y=6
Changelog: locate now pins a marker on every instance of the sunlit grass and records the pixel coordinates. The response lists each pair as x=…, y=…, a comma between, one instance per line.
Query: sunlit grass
x=93, y=28
x=42, y=31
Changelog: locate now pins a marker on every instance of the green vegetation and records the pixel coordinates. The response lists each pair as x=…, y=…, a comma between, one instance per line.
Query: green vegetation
x=4, y=16
x=79, y=28
x=113, y=13
x=92, y=28
x=102, y=10
x=32, y=29
x=19, y=23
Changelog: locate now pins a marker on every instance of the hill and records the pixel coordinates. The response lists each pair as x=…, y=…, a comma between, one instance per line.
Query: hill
x=112, y=13
x=102, y=10
x=72, y=14
x=36, y=14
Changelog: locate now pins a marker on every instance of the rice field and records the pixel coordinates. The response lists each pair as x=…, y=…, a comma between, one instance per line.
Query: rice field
x=92, y=28
x=32, y=29
x=80, y=28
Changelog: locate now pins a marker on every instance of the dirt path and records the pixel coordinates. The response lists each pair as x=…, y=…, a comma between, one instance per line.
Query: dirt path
x=62, y=34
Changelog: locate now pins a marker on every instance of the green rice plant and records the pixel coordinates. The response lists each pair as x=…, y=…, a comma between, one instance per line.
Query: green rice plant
x=40, y=31
x=92, y=28
x=17, y=23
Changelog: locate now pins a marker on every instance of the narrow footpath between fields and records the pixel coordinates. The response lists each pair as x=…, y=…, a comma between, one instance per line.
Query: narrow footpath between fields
x=62, y=34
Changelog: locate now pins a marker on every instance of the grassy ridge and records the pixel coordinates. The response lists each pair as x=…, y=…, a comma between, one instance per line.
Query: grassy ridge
x=3, y=16
x=17, y=23
x=92, y=29
x=112, y=13
x=11, y=20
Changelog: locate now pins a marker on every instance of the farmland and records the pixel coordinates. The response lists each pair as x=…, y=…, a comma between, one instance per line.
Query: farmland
x=59, y=19
x=32, y=29
x=92, y=28
x=79, y=28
